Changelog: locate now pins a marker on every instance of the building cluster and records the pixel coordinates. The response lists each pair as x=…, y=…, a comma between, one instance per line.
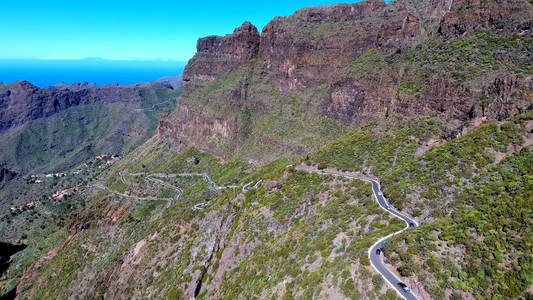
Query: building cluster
x=21, y=208
x=61, y=195
x=109, y=159
x=37, y=178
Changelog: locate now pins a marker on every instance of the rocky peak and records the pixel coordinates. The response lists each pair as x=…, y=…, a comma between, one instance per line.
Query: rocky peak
x=219, y=55
x=242, y=44
x=338, y=12
x=23, y=86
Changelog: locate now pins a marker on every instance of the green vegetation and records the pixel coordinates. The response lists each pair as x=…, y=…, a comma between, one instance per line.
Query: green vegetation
x=156, y=156
x=376, y=147
x=306, y=235
x=433, y=177
x=299, y=235
x=480, y=240
x=467, y=58
x=44, y=226
x=66, y=139
x=327, y=223
x=311, y=234
x=389, y=152
x=485, y=246
x=366, y=64
x=66, y=142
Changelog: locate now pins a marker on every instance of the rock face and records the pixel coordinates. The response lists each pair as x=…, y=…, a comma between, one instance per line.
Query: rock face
x=350, y=63
x=309, y=46
x=21, y=101
x=6, y=175
x=217, y=55
x=465, y=16
x=198, y=129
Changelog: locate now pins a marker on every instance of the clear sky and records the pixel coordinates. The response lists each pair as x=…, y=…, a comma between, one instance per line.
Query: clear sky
x=131, y=30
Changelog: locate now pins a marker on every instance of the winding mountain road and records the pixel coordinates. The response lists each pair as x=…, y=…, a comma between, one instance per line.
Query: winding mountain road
x=168, y=185
x=376, y=260
x=151, y=177
x=122, y=195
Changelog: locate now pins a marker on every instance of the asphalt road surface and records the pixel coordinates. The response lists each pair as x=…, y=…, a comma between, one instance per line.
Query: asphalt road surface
x=376, y=260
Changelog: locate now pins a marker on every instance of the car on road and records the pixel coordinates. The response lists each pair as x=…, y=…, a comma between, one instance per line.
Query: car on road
x=378, y=251
x=411, y=224
x=403, y=287
x=199, y=206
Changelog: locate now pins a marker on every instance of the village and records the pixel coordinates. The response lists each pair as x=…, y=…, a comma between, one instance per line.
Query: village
x=102, y=161
x=108, y=159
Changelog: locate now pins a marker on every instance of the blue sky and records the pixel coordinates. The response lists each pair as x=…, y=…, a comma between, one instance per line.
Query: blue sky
x=126, y=30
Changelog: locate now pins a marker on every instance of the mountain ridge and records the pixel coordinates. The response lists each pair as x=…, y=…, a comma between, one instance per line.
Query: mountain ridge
x=329, y=60
x=23, y=102
x=430, y=98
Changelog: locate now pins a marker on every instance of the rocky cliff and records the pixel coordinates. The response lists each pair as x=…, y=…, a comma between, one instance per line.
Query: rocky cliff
x=419, y=77
x=217, y=55
x=349, y=63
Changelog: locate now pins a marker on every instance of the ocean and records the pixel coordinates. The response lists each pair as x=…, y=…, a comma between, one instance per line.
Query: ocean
x=49, y=72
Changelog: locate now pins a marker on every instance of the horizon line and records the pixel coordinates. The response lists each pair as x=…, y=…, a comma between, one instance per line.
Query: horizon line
x=52, y=58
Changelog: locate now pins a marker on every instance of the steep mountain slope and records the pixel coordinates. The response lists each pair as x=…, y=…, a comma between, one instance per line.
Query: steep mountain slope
x=56, y=128
x=61, y=130
x=308, y=76
x=309, y=232
x=455, y=189
x=299, y=235
x=484, y=247
x=433, y=99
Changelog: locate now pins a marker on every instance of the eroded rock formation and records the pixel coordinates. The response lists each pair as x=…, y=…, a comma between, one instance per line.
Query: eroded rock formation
x=350, y=63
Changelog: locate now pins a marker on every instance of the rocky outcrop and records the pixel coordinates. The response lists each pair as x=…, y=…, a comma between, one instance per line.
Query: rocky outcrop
x=192, y=127
x=510, y=95
x=310, y=46
x=217, y=55
x=318, y=56
x=344, y=100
